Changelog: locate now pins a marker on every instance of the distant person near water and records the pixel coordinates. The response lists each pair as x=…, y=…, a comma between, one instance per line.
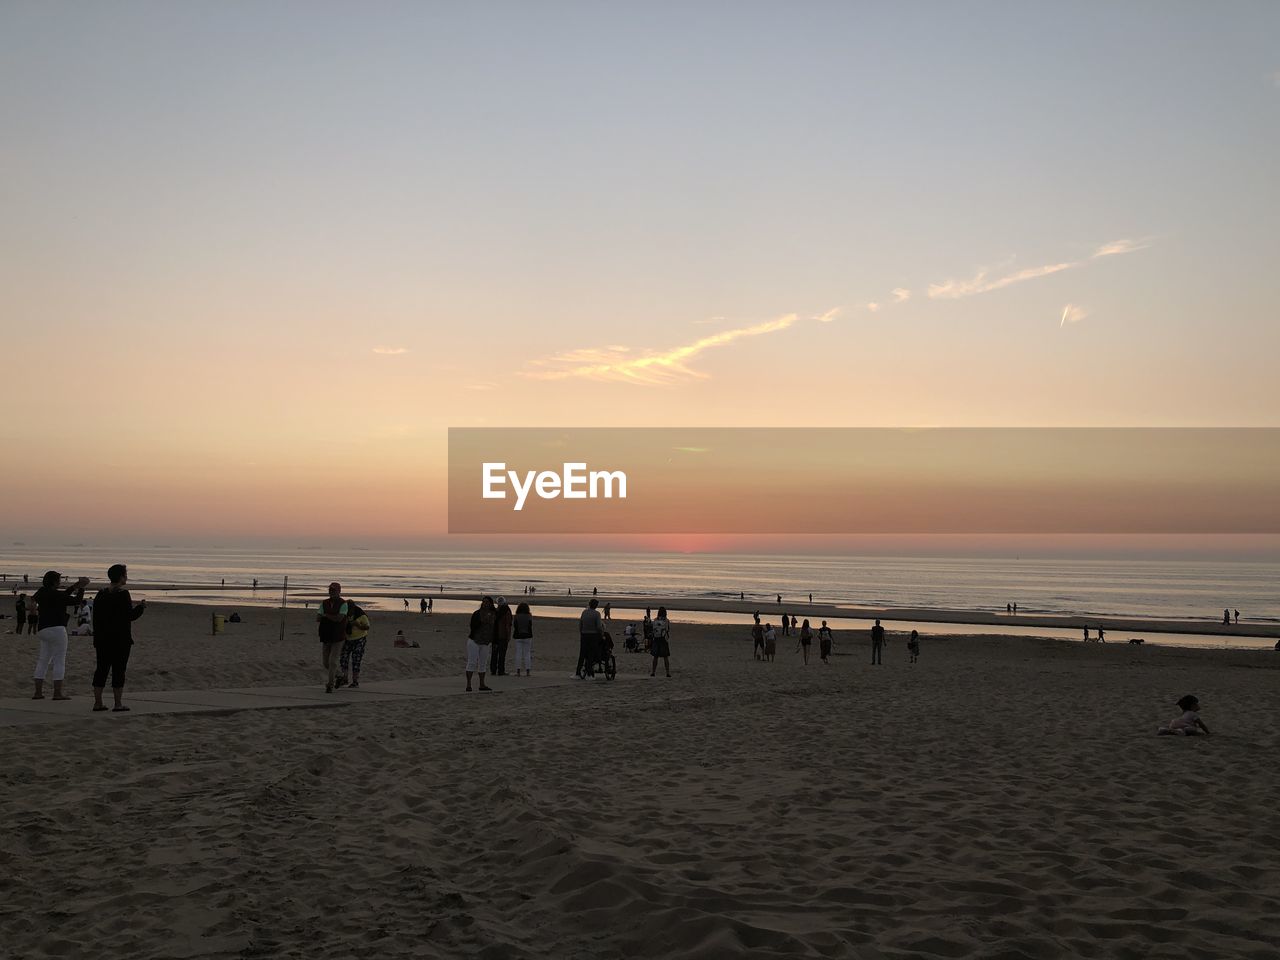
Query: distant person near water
x=824, y=642
x=51, y=612
x=913, y=647
x=353, y=646
x=805, y=641
x=331, y=620
x=479, y=640
x=1008, y=608
x=422, y=605
x=1237, y=616
x=877, y=645
x=786, y=625
x=1226, y=615
x=522, y=625
x=406, y=603
x=661, y=646
x=1102, y=634
x=430, y=602
x=1086, y=634
x=590, y=636
x=113, y=616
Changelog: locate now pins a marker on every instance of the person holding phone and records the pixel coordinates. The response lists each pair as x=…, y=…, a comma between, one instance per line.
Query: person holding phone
x=51, y=607
x=113, y=616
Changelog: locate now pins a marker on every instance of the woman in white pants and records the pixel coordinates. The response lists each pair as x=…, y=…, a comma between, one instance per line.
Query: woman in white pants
x=480, y=640
x=523, y=628
x=51, y=631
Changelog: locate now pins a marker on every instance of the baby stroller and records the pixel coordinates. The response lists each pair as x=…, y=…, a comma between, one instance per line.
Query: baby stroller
x=605, y=662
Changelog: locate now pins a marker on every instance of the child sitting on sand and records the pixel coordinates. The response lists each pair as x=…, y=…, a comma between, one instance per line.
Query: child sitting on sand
x=402, y=641
x=1187, y=725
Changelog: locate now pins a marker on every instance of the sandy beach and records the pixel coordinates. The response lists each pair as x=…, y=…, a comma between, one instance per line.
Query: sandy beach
x=1004, y=797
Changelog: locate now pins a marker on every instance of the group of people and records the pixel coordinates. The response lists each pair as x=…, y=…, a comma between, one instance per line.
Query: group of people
x=493, y=627
x=113, y=613
x=344, y=630
x=764, y=642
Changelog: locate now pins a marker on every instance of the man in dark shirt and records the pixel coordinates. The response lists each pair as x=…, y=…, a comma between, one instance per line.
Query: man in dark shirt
x=51, y=609
x=113, y=616
x=877, y=643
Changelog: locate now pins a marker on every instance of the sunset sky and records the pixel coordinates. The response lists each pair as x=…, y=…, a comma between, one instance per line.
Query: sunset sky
x=257, y=258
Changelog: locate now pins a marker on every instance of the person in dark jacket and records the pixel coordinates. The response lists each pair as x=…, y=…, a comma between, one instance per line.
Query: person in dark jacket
x=523, y=627
x=479, y=639
x=51, y=609
x=501, y=639
x=113, y=616
x=20, y=609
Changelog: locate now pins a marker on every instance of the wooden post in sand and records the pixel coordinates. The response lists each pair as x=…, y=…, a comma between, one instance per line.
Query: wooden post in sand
x=284, y=605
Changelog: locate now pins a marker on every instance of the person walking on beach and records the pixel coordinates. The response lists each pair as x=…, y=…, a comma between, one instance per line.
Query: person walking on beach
x=811, y=598
x=1226, y=615
x=430, y=601
x=806, y=640
x=1237, y=616
x=501, y=639
x=479, y=639
x=422, y=605
x=770, y=642
x=1015, y=609
x=1086, y=634
x=757, y=640
x=523, y=627
x=33, y=616
x=608, y=611
x=1008, y=608
x=406, y=603
x=877, y=644
x=913, y=647
x=20, y=614
x=113, y=616
x=353, y=646
x=786, y=625
x=590, y=636
x=51, y=612
x=793, y=623
x=1102, y=635
x=331, y=619
x=661, y=647
x=824, y=642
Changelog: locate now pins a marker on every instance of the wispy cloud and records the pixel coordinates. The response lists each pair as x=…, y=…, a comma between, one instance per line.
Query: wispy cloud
x=653, y=368
x=1072, y=313
x=901, y=294
x=390, y=351
x=984, y=282
x=828, y=316
x=710, y=320
x=873, y=307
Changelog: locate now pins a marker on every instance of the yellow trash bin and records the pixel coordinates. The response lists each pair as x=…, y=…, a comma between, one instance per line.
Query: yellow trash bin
x=218, y=621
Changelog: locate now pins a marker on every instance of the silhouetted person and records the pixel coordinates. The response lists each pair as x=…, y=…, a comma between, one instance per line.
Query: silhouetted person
x=877, y=644
x=1237, y=616
x=113, y=616
x=422, y=606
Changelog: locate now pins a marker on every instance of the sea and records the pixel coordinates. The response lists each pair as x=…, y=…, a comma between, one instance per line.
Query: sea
x=1164, y=589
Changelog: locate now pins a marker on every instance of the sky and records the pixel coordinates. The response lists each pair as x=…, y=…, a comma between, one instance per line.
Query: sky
x=255, y=259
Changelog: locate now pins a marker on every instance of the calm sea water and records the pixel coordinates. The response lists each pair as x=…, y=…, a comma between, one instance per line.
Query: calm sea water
x=1190, y=590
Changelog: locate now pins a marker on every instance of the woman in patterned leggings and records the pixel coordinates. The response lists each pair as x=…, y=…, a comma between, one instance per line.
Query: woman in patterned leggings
x=353, y=647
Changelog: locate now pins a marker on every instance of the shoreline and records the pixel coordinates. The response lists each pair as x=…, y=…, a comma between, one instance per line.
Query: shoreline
x=924, y=615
